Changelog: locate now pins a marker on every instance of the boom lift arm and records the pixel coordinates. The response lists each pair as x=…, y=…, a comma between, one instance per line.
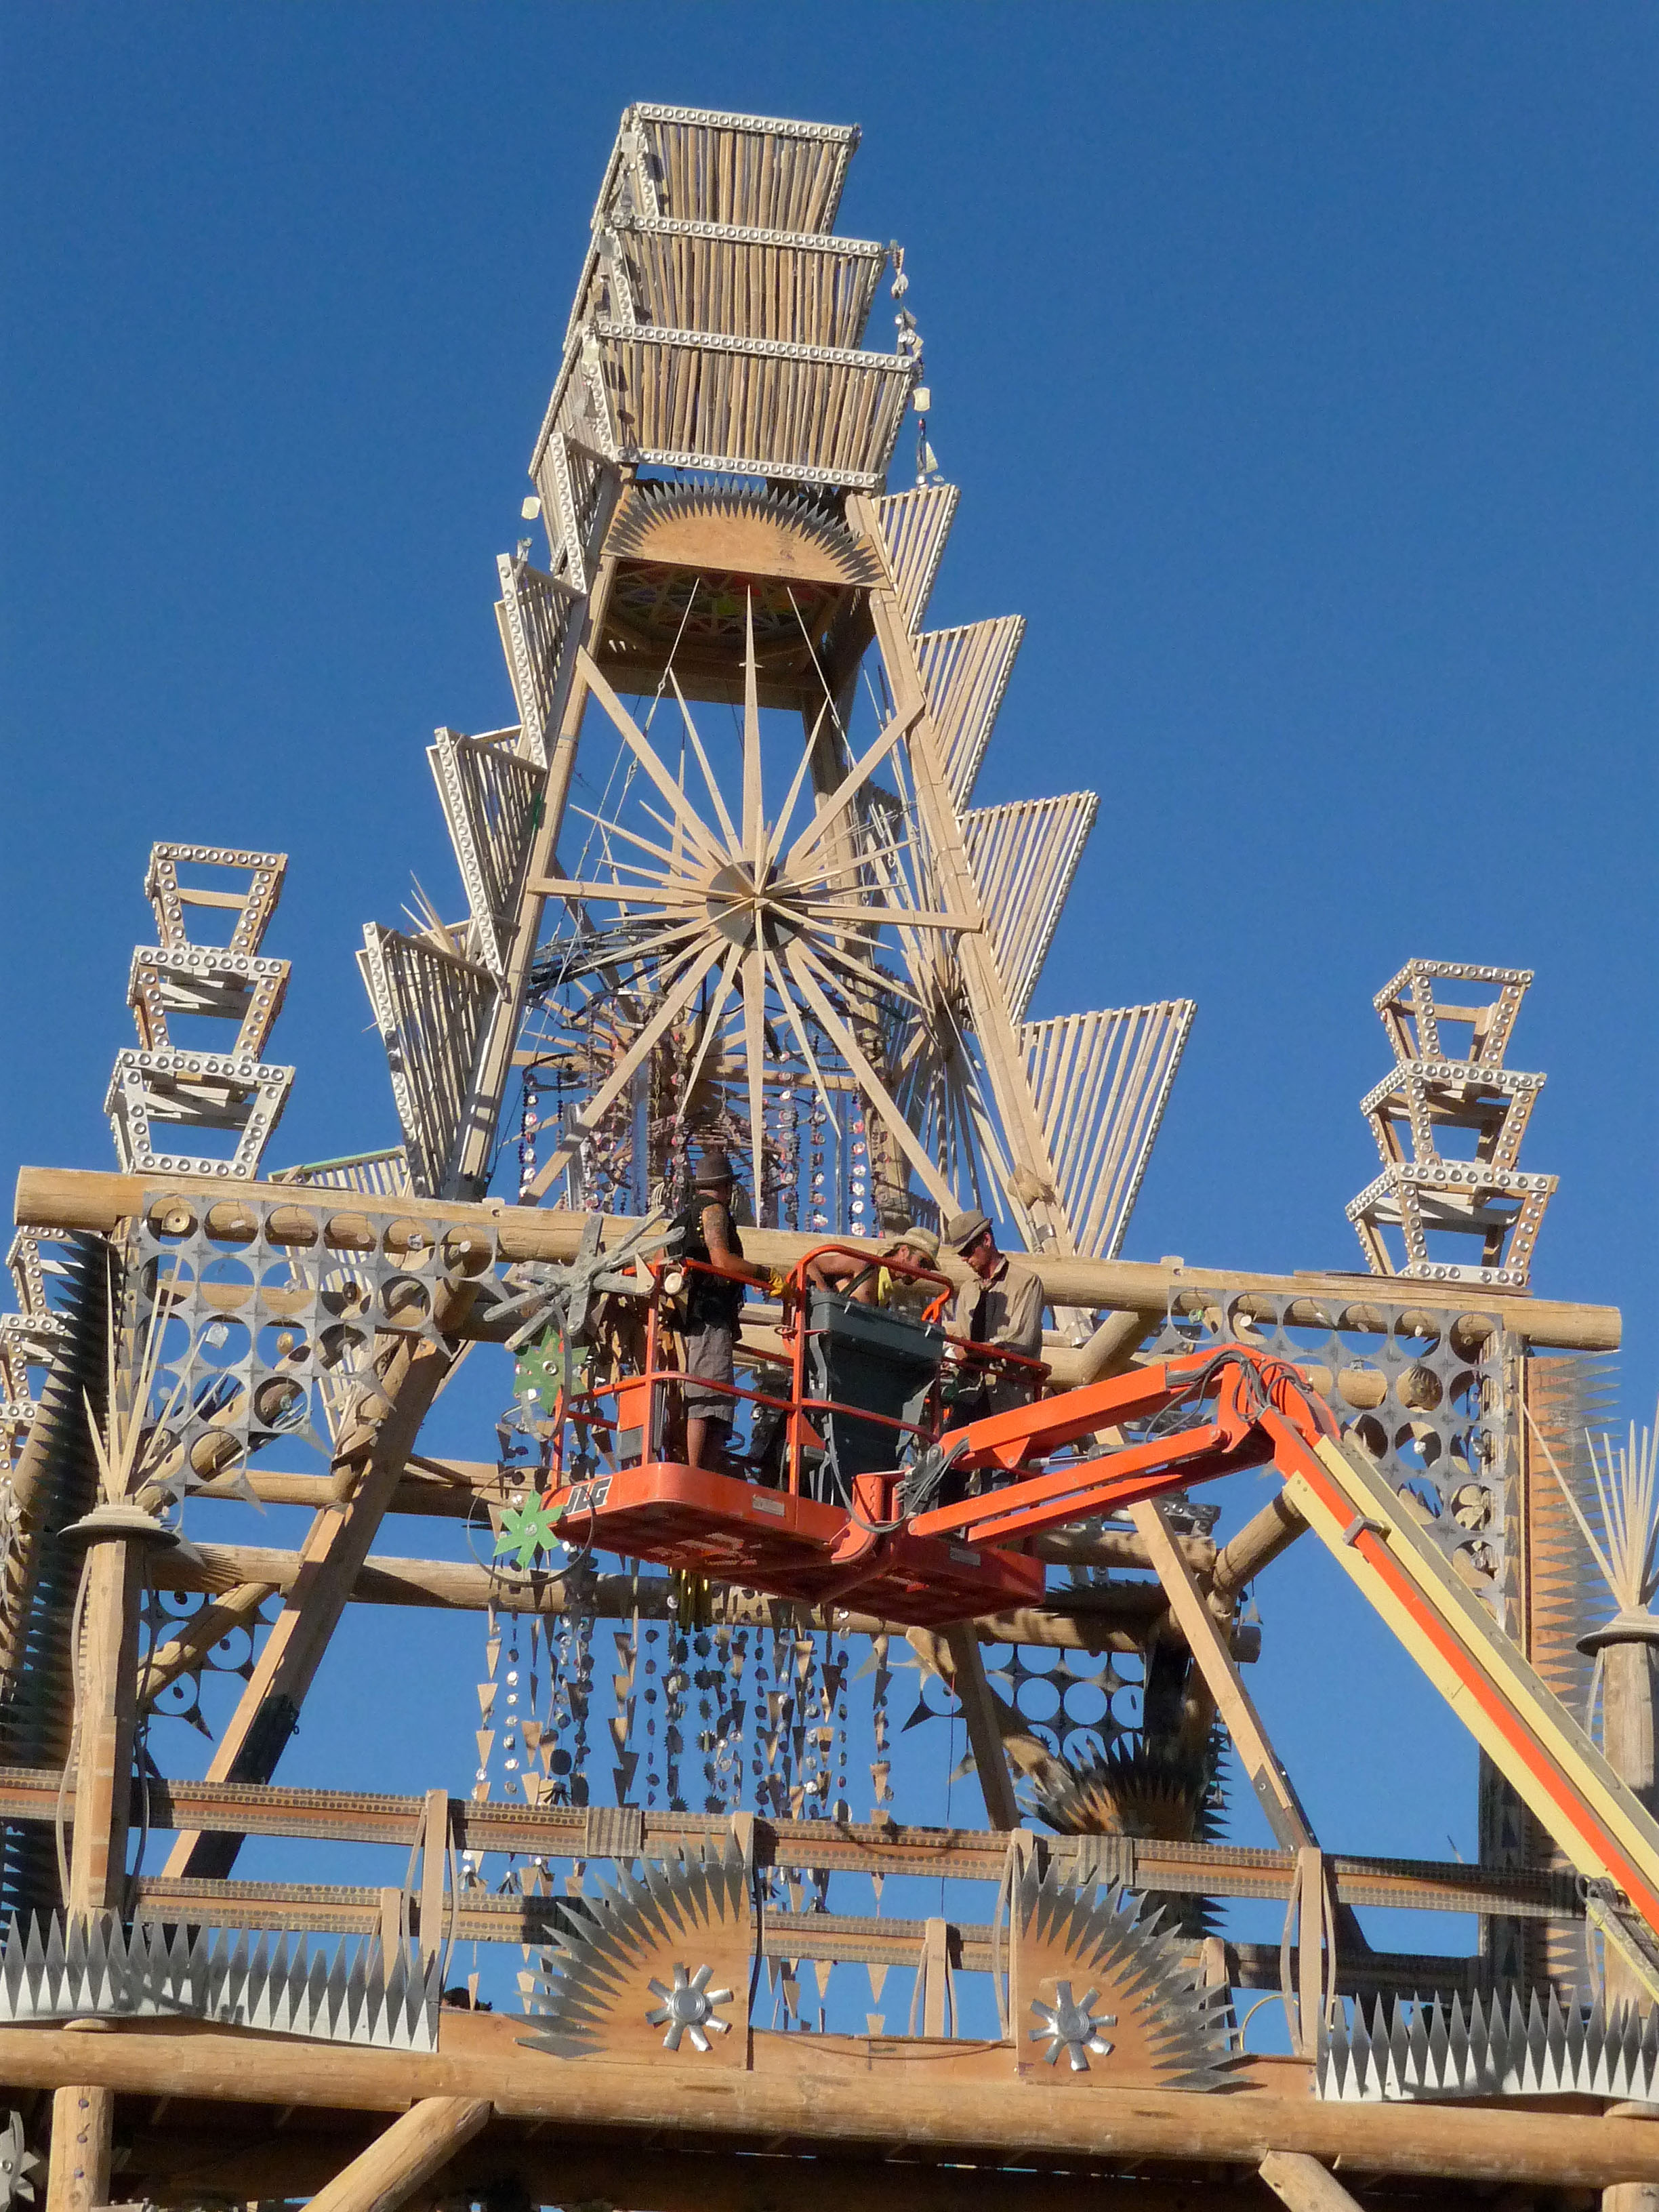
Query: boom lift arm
x=1249, y=1410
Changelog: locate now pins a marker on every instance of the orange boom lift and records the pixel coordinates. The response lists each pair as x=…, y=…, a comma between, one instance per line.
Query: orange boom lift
x=897, y=1544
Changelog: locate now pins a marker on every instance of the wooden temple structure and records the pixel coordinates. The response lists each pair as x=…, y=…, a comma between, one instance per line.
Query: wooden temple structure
x=725, y=883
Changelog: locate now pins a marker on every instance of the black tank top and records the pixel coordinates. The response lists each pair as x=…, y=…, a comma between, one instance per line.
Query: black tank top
x=708, y=1300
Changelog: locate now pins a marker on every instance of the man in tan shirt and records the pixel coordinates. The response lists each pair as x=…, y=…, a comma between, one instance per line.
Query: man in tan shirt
x=1000, y=1305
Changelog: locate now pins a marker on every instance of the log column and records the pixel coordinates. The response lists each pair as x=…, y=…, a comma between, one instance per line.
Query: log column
x=78, y=2170
x=1629, y=1649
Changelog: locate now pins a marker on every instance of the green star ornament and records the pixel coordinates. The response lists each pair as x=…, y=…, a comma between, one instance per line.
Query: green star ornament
x=527, y=1530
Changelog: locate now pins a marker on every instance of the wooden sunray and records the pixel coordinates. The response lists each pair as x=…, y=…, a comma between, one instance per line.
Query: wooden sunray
x=623, y=893
x=673, y=999
x=800, y=967
x=613, y=829
x=898, y=727
x=713, y=1018
x=787, y=1000
x=754, y=1040
x=645, y=753
x=876, y=979
x=792, y=798
x=714, y=793
x=916, y=917
x=754, y=822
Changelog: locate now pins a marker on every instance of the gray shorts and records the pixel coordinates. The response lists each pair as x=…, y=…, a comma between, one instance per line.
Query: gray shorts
x=708, y=1359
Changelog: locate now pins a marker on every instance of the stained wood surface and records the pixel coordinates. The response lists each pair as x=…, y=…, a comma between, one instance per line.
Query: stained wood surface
x=73, y=1198
x=828, y=2091
x=412, y=2149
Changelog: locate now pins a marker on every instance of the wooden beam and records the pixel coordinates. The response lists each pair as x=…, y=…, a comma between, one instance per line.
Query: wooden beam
x=29, y=1796
x=78, y=2163
x=1257, y=1546
x=169, y=2166
x=963, y=2101
x=1303, y=2183
x=984, y=1735
x=106, y=1713
x=453, y=1494
x=1107, y=1617
x=333, y=1553
x=1208, y=1645
x=195, y=1637
x=411, y=2150
x=75, y=1198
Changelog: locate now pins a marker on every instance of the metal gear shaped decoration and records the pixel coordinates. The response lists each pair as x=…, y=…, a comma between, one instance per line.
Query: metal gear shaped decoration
x=18, y=2165
x=1069, y=2025
x=619, y=1976
x=1170, y=2028
x=687, y=2008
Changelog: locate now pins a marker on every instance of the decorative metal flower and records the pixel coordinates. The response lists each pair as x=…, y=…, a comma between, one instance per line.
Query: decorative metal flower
x=526, y=1530
x=1069, y=2023
x=798, y=932
x=688, y=2009
x=18, y=2165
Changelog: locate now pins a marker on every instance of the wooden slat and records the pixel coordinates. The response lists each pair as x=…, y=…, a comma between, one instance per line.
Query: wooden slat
x=965, y=672
x=914, y=526
x=791, y=287
x=1101, y=1083
x=1024, y=857
x=764, y=172
x=535, y=611
x=488, y=792
x=684, y=400
x=430, y=1007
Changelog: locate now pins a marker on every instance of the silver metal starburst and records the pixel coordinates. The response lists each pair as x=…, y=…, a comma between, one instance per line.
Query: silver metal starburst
x=18, y=2165
x=688, y=2009
x=1069, y=2024
x=779, y=920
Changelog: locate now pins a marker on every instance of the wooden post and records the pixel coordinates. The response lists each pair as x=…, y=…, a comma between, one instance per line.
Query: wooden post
x=1629, y=1693
x=392, y=1902
x=82, y=2115
x=434, y=1853
x=935, y=1970
x=1303, y=2183
x=466, y=1171
x=412, y=2149
x=78, y=2170
x=1209, y=1647
x=992, y=1026
x=105, y=1709
x=983, y=1735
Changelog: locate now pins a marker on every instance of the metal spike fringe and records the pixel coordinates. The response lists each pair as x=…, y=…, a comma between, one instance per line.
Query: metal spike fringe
x=94, y=1969
x=1420, y=2047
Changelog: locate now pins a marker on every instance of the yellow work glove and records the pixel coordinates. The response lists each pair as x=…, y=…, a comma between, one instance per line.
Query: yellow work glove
x=775, y=1283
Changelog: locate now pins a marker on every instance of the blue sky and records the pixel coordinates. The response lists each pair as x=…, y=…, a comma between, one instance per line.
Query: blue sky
x=1297, y=363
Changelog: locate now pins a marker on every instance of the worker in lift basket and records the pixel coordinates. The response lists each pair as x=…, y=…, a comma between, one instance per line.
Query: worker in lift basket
x=872, y=1282
x=1000, y=1305
x=712, y=1303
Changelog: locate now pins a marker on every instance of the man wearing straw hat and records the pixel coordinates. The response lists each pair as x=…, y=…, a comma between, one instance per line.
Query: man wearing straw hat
x=872, y=1282
x=713, y=1304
